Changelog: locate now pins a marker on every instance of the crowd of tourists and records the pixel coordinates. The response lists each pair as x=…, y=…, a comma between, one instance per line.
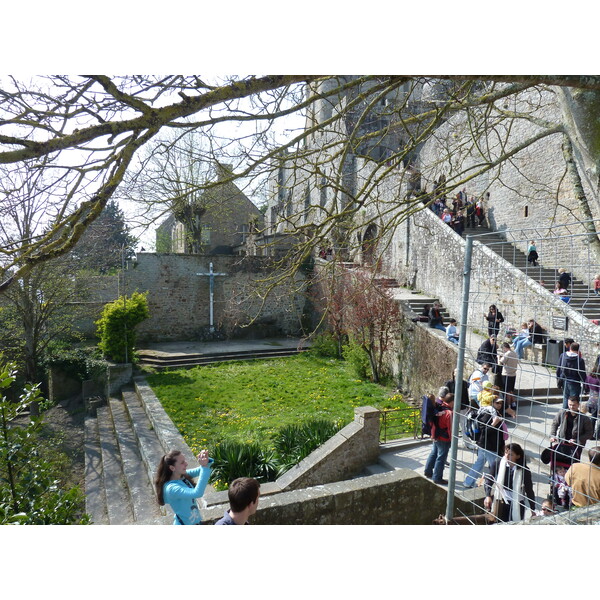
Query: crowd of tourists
x=489, y=399
x=500, y=465
x=461, y=212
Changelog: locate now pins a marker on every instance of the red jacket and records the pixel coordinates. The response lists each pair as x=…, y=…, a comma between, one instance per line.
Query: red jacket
x=442, y=425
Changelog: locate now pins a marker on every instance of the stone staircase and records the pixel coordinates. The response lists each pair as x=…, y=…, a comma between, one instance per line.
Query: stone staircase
x=121, y=454
x=387, y=282
x=583, y=298
x=174, y=361
x=417, y=304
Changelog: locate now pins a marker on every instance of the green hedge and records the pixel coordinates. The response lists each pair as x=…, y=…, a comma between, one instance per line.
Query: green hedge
x=116, y=326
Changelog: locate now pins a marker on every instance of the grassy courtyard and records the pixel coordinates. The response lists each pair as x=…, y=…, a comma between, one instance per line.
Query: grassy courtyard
x=248, y=401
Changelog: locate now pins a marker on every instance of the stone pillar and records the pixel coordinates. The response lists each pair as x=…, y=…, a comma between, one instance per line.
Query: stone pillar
x=369, y=418
x=117, y=375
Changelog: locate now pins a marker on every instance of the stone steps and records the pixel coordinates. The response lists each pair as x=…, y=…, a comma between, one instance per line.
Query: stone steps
x=120, y=511
x=174, y=361
x=121, y=455
x=95, y=497
x=583, y=298
x=417, y=304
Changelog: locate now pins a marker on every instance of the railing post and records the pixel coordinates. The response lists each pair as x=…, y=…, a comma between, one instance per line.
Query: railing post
x=459, y=377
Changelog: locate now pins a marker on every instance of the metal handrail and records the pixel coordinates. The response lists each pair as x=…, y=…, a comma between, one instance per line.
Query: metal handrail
x=399, y=423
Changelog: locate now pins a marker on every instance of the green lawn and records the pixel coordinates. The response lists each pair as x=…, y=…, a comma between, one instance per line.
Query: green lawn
x=250, y=400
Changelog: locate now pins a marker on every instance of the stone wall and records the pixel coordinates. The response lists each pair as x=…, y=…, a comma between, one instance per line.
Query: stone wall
x=422, y=361
x=117, y=375
x=399, y=497
x=342, y=456
x=179, y=298
x=61, y=386
x=110, y=382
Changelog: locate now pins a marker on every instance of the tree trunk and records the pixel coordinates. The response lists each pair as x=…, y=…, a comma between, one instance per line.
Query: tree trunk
x=588, y=217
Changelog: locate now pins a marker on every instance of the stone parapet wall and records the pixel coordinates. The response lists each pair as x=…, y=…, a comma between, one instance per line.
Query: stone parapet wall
x=399, y=497
x=342, y=456
x=108, y=383
x=117, y=375
x=167, y=433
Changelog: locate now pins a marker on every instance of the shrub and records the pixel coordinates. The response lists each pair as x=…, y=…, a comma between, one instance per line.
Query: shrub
x=325, y=345
x=116, y=326
x=292, y=444
x=295, y=442
x=356, y=356
x=236, y=459
x=30, y=491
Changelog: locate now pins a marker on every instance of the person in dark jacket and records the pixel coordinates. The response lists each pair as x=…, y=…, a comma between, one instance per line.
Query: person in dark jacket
x=243, y=493
x=571, y=373
x=494, y=319
x=488, y=353
x=424, y=316
x=470, y=208
x=458, y=222
x=572, y=427
x=509, y=486
x=564, y=278
x=451, y=385
x=490, y=441
x=537, y=332
x=436, y=320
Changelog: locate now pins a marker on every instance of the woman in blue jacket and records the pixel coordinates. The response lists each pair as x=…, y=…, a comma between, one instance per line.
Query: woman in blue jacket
x=175, y=485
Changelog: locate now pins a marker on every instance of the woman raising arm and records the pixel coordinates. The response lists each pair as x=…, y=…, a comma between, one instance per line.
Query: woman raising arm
x=175, y=485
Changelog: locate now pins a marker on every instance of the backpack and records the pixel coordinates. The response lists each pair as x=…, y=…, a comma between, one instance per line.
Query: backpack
x=472, y=427
x=429, y=413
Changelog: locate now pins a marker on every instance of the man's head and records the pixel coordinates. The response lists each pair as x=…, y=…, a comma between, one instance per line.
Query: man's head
x=492, y=340
x=505, y=346
x=568, y=342
x=594, y=454
x=243, y=493
x=485, y=367
x=443, y=392
x=574, y=347
x=573, y=404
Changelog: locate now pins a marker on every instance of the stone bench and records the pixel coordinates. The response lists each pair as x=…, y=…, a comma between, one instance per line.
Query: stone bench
x=536, y=353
